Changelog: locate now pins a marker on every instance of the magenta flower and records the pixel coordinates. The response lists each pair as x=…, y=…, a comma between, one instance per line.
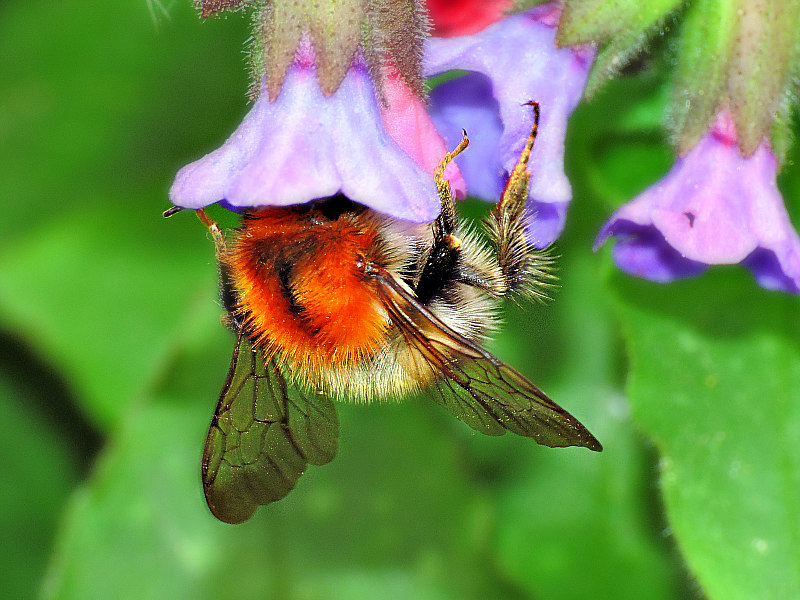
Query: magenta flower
x=465, y=17
x=305, y=145
x=713, y=207
x=511, y=62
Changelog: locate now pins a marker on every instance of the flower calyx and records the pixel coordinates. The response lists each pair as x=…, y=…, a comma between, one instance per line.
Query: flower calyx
x=383, y=31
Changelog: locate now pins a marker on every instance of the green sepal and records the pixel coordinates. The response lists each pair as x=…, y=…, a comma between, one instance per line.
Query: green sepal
x=334, y=28
x=518, y=6
x=766, y=48
x=208, y=8
x=621, y=29
x=615, y=56
x=398, y=29
x=597, y=21
x=782, y=135
x=387, y=31
x=700, y=77
x=736, y=58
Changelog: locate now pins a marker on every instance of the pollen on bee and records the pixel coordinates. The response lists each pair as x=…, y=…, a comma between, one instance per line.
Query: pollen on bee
x=453, y=242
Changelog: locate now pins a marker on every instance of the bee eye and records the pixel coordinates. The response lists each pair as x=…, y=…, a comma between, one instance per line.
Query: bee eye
x=363, y=265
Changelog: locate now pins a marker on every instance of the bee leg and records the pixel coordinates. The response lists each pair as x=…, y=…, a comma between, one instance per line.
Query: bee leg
x=440, y=262
x=220, y=246
x=525, y=268
x=227, y=292
x=447, y=221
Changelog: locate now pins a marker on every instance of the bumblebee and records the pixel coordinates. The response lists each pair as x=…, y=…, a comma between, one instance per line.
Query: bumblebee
x=331, y=300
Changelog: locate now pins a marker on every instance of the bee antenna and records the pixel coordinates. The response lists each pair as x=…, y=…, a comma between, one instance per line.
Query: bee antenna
x=171, y=211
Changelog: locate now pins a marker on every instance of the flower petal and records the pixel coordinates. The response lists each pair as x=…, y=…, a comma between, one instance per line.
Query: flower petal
x=713, y=207
x=465, y=17
x=467, y=104
x=408, y=123
x=642, y=251
x=305, y=145
x=519, y=59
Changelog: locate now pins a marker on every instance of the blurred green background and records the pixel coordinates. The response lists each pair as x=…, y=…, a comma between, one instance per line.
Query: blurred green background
x=112, y=356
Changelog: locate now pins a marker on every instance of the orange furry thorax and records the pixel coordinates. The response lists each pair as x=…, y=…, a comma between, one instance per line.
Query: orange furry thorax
x=301, y=294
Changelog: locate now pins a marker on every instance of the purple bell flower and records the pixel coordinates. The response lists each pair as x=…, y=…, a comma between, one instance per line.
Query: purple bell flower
x=511, y=62
x=713, y=207
x=306, y=145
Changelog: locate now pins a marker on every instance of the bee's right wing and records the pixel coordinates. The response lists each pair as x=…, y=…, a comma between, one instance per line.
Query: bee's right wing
x=473, y=385
x=263, y=434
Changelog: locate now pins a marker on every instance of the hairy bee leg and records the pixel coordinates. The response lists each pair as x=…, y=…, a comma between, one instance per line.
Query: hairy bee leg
x=227, y=292
x=525, y=268
x=442, y=254
x=220, y=246
x=447, y=220
x=521, y=168
x=440, y=260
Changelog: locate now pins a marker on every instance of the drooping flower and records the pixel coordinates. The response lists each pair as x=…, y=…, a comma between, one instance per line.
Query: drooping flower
x=713, y=207
x=510, y=63
x=742, y=55
x=376, y=146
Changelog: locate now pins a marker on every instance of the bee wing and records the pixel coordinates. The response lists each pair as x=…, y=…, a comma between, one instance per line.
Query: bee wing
x=263, y=434
x=475, y=386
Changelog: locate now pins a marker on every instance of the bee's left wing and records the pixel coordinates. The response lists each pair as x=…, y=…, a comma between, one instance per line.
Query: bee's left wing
x=264, y=433
x=475, y=386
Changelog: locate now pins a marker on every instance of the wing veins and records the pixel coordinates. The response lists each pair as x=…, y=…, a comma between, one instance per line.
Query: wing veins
x=525, y=409
x=309, y=426
x=253, y=464
x=285, y=401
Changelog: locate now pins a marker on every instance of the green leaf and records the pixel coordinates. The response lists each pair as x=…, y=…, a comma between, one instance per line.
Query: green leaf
x=92, y=275
x=567, y=523
x=715, y=379
x=571, y=513
x=39, y=472
x=573, y=524
x=625, y=119
x=392, y=514
x=81, y=314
